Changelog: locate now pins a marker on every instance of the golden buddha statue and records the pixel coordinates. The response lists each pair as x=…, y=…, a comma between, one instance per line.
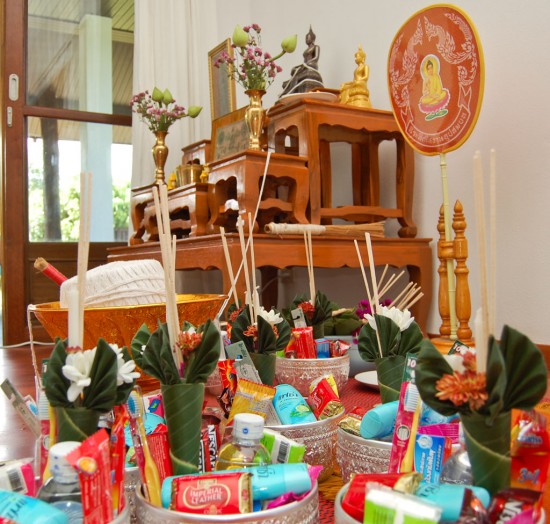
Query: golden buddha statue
x=435, y=97
x=356, y=92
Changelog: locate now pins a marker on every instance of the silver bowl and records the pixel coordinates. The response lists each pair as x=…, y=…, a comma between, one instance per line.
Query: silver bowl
x=132, y=481
x=360, y=455
x=340, y=516
x=300, y=372
x=305, y=511
x=319, y=438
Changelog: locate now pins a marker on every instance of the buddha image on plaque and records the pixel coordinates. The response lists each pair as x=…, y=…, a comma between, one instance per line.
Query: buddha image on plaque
x=435, y=97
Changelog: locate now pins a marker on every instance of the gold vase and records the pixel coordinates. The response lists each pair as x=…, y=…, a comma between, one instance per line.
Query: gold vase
x=255, y=117
x=160, y=154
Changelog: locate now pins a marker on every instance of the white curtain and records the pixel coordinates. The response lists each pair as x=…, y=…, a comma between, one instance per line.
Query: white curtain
x=171, y=43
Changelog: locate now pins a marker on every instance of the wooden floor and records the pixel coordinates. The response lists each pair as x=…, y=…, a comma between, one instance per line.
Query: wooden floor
x=16, y=440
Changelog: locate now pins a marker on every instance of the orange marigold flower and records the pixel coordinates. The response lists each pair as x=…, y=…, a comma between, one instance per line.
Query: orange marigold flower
x=469, y=361
x=275, y=330
x=234, y=315
x=188, y=341
x=463, y=388
x=252, y=331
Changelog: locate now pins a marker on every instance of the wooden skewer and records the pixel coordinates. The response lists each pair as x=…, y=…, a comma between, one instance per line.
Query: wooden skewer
x=248, y=294
x=313, y=289
x=408, y=296
x=492, y=241
x=229, y=266
x=309, y=263
x=391, y=283
x=396, y=300
x=413, y=302
x=255, y=296
x=381, y=279
x=372, y=273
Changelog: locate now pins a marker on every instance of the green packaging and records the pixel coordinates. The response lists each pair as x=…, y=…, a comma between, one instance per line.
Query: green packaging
x=282, y=449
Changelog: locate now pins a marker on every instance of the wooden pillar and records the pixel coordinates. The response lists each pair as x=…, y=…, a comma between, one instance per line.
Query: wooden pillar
x=463, y=302
x=443, y=295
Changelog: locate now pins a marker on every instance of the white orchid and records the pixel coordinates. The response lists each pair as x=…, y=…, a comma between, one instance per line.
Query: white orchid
x=125, y=369
x=270, y=316
x=77, y=368
x=402, y=318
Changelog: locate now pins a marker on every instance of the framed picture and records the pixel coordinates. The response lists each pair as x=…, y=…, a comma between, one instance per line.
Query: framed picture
x=229, y=134
x=222, y=86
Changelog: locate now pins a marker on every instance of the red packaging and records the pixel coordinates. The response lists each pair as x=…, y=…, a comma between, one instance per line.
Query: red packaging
x=205, y=463
x=353, y=502
x=530, y=451
x=216, y=494
x=323, y=401
x=92, y=461
x=160, y=450
x=18, y=476
x=304, y=342
x=338, y=348
x=118, y=457
x=510, y=502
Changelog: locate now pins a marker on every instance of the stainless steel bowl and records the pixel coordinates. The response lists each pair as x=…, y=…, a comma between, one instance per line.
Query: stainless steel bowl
x=301, y=372
x=305, y=511
x=360, y=455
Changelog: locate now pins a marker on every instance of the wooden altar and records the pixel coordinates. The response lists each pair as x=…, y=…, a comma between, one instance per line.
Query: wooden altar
x=277, y=252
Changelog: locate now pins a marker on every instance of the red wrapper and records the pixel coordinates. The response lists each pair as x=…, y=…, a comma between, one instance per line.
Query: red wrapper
x=338, y=348
x=219, y=494
x=510, y=502
x=92, y=461
x=304, y=342
x=159, y=447
x=323, y=401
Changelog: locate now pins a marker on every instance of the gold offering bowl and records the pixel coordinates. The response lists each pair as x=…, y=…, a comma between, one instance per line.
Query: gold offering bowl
x=119, y=324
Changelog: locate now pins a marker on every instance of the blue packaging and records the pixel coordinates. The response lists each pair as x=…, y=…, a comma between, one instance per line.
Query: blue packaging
x=430, y=453
x=322, y=345
x=291, y=407
x=379, y=421
x=450, y=497
x=21, y=508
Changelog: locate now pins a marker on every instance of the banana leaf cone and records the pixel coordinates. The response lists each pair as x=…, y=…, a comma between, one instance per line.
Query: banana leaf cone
x=265, y=364
x=183, y=411
x=319, y=330
x=489, y=450
x=76, y=424
x=390, y=376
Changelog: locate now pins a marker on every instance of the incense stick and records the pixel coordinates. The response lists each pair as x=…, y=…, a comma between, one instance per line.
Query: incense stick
x=395, y=301
x=229, y=266
x=362, y=267
x=255, y=296
x=309, y=263
x=310, y=246
x=393, y=279
x=381, y=279
x=492, y=241
x=481, y=345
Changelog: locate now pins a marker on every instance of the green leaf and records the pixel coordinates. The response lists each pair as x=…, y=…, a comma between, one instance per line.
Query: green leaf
x=267, y=341
x=283, y=328
x=123, y=391
x=138, y=343
x=525, y=370
x=430, y=367
x=157, y=360
x=390, y=335
x=323, y=309
x=495, y=381
x=411, y=340
x=55, y=384
x=204, y=359
x=100, y=395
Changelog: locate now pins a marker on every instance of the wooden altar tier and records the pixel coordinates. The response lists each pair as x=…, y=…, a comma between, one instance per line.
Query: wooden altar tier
x=277, y=252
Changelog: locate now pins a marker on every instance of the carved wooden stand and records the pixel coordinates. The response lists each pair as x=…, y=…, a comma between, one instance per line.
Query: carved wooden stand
x=456, y=249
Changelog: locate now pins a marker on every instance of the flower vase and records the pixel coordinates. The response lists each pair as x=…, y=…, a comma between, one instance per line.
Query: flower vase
x=160, y=154
x=76, y=424
x=255, y=117
x=488, y=449
x=183, y=411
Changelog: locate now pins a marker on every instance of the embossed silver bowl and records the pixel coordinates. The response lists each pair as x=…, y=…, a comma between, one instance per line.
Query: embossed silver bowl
x=319, y=438
x=360, y=455
x=300, y=372
x=131, y=484
x=340, y=515
x=305, y=511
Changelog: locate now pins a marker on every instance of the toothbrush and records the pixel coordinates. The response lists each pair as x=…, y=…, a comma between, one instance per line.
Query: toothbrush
x=148, y=469
x=409, y=400
x=407, y=464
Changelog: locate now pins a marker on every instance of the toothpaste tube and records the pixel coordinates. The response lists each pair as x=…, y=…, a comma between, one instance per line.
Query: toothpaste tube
x=379, y=422
x=282, y=449
x=18, y=476
x=290, y=406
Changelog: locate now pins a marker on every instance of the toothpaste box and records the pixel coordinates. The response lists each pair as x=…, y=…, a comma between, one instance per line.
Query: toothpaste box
x=430, y=453
x=281, y=448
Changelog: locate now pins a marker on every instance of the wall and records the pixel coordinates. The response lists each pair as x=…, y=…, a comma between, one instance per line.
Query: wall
x=514, y=120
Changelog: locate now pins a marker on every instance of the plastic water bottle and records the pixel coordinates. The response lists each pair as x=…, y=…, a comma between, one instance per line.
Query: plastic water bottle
x=62, y=489
x=245, y=449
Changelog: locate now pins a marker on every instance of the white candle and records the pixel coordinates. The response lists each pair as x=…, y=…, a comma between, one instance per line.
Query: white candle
x=73, y=317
